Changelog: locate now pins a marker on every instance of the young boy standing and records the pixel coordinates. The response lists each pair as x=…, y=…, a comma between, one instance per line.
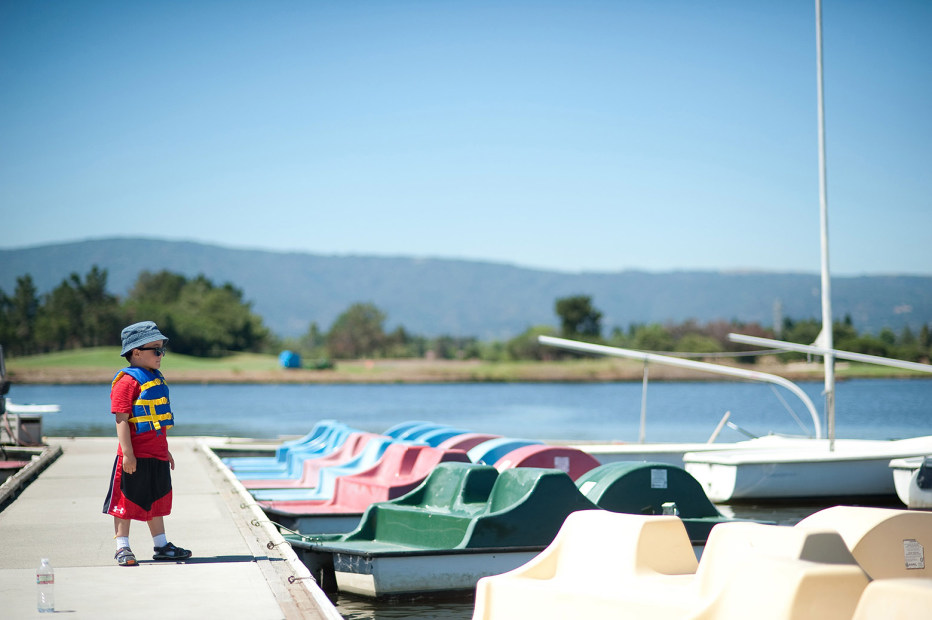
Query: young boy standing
x=140, y=485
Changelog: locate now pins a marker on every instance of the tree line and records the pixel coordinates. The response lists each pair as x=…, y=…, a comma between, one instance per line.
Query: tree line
x=202, y=319
x=207, y=320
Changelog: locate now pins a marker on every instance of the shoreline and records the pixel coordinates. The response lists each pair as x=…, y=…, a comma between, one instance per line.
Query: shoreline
x=445, y=371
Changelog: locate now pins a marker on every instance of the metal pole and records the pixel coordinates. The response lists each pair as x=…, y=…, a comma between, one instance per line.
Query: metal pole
x=838, y=353
x=825, y=338
x=642, y=435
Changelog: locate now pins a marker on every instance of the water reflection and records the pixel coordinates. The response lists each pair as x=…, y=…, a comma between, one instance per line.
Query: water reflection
x=448, y=607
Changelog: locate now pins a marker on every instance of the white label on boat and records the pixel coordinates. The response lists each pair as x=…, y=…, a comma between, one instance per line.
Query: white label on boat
x=658, y=478
x=562, y=463
x=912, y=550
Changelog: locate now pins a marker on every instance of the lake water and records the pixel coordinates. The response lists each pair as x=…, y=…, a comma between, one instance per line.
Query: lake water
x=677, y=411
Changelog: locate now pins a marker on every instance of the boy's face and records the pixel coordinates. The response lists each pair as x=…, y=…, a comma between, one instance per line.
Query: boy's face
x=147, y=357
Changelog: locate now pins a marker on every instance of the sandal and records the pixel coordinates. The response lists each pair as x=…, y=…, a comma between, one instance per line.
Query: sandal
x=125, y=557
x=170, y=552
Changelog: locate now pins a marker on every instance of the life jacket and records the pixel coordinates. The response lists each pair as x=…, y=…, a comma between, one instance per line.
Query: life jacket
x=151, y=410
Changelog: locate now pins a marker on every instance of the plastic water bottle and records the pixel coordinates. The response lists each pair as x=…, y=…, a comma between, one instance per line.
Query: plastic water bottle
x=45, y=580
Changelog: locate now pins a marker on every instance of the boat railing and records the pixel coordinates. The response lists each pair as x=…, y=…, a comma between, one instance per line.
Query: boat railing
x=816, y=350
x=654, y=358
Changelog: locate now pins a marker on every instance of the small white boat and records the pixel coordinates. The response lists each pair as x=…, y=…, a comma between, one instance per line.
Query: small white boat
x=912, y=478
x=803, y=469
x=12, y=407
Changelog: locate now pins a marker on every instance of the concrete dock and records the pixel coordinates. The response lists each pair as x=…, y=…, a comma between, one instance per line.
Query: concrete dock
x=232, y=574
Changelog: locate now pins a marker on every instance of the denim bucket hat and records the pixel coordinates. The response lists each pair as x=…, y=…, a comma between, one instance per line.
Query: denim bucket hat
x=139, y=334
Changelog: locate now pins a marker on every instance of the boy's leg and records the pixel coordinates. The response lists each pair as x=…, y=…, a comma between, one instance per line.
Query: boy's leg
x=124, y=556
x=156, y=526
x=164, y=550
x=121, y=527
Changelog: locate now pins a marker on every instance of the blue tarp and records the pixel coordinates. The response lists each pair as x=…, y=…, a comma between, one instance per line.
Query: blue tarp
x=289, y=359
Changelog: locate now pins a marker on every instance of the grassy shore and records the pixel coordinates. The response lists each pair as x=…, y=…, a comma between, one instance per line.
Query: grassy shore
x=98, y=365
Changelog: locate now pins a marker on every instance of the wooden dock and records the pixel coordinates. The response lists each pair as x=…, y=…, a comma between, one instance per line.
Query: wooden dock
x=233, y=574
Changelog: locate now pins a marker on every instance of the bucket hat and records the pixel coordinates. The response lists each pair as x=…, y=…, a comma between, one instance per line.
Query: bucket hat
x=138, y=334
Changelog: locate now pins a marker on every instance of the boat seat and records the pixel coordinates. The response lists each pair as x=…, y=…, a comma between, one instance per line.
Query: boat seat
x=402, y=427
x=728, y=543
x=415, y=433
x=315, y=436
x=437, y=436
x=310, y=472
x=638, y=547
x=457, y=508
x=327, y=477
x=402, y=468
x=327, y=443
x=767, y=587
x=644, y=487
x=887, y=543
x=466, y=441
x=895, y=598
x=488, y=452
x=571, y=461
x=604, y=564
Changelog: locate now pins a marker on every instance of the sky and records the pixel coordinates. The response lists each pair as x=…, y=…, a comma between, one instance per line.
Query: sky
x=562, y=135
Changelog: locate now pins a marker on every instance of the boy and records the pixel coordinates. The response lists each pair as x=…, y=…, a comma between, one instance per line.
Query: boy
x=140, y=485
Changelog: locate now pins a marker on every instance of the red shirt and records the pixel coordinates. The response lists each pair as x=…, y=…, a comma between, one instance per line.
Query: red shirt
x=145, y=445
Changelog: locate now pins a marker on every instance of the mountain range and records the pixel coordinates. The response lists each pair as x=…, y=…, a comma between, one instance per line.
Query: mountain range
x=491, y=301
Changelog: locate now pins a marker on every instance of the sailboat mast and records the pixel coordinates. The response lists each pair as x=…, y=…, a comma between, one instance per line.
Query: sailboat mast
x=826, y=336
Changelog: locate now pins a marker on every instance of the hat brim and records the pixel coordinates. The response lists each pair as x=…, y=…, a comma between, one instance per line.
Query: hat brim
x=141, y=341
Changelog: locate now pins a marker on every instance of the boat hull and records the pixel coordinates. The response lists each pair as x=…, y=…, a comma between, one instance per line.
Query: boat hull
x=854, y=469
x=398, y=575
x=318, y=523
x=905, y=479
x=410, y=573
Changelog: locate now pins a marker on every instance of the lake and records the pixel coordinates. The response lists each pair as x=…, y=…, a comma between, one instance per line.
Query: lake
x=677, y=411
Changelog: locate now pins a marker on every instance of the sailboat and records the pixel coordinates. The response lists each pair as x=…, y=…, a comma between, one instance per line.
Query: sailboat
x=778, y=466
x=672, y=453
x=819, y=468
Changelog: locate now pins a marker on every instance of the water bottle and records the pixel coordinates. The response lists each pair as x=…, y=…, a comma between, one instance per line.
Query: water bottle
x=45, y=579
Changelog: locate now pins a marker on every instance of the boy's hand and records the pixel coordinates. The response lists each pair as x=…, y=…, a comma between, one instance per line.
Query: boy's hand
x=171, y=461
x=129, y=464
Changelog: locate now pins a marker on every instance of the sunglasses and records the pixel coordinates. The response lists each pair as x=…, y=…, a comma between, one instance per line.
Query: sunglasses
x=159, y=351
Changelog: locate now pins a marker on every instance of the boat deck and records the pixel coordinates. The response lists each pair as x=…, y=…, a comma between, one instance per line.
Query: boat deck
x=231, y=575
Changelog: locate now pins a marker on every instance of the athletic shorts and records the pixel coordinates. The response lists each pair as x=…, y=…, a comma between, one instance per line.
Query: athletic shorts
x=142, y=495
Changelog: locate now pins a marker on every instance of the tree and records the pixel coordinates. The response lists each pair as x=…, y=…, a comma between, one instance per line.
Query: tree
x=358, y=332
x=101, y=319
x=198, y=317
x=6, y=323
x=79, y=314
x=694, y=342
x=526, y=347
x=23, y=316
x=578, y=317
x=653, y=337
x=59, y=325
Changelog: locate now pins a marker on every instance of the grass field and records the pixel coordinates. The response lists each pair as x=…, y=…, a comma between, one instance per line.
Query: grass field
x=98, y=365
x=109, y=357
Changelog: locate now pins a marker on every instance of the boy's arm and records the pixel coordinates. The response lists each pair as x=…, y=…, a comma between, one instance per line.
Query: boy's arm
x=123, y=435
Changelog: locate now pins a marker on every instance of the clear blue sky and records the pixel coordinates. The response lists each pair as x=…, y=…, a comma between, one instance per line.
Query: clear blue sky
x=570, y=135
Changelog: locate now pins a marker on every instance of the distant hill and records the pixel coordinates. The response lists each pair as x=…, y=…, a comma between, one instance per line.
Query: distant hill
x=470, y=298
